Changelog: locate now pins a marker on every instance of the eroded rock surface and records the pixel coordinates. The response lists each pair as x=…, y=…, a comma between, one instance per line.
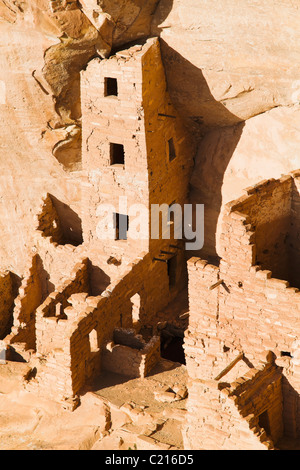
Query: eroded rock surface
x=231, y=70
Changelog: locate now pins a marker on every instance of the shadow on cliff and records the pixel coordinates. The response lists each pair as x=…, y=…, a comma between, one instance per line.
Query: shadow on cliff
x=217, y=132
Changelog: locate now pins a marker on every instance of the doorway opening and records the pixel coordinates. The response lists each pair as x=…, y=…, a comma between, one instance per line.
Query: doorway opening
x=264, y=422
x=173, y=351
x=172, y=344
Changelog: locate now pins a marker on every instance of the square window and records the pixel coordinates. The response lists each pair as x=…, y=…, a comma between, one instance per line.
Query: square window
x=121, y=224
x=117, y=154
x=172, y=152
x=111, y=87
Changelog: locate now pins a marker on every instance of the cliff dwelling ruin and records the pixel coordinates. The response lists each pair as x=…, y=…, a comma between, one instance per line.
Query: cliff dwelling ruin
x=138, y=342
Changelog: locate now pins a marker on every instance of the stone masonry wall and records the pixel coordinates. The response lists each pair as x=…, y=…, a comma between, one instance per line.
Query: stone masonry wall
x=140, y=116
x=109, y=120
x=169, y=172
x=249, y=311
x=32, y=293
x=113, y=309
x=71, y=344
x=226, y=416
x=129, y=361
x=47, y=314
x=267, y=207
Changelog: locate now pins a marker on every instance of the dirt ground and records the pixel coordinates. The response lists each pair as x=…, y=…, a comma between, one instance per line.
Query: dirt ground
x=30, y=422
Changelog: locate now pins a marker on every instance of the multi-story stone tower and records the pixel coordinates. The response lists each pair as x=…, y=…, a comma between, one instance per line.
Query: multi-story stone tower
x=134, y=146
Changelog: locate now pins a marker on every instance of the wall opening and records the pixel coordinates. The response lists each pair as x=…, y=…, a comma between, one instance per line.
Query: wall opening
x=285, y=354
x=136, y=307
x=121, y=225
x=172, y=270
x=264, y=422
x=117, y=154
x=172, y=344
x=93, y=338
x=111, y=86
x=172, y=151
x=172, y=350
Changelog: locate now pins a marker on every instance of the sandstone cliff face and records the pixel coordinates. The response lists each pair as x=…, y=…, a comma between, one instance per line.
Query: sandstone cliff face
x=230, y=60
x=231, y=70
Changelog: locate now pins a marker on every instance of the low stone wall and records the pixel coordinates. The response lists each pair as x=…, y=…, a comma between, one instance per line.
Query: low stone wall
x=133, y=361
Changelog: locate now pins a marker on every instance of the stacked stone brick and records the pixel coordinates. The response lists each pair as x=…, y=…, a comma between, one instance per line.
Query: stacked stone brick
x=132, y=361
x=80, y=287
x=225, y=415
x=32, y=292
x=240, y=306
x=141, y=118
x=67, y=361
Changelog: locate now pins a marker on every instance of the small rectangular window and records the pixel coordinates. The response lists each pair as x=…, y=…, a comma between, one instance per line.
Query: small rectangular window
x=111, y=87
x=121, y=224
x=172, y=152
x=117, y=154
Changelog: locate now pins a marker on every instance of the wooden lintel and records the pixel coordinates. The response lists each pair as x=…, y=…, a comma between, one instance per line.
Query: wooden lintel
x=217, y=284
x=231, y=366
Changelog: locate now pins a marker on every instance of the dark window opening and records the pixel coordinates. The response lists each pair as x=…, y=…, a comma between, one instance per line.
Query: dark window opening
x=121, y=224
x=264, y=422
x=117, y=154
x=285, y=354
x=172, y=268
x=173, y=350
x=172, y=152
x=111, y=87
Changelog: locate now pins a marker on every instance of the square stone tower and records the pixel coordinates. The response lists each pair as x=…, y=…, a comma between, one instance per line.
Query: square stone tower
x=135, y=146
